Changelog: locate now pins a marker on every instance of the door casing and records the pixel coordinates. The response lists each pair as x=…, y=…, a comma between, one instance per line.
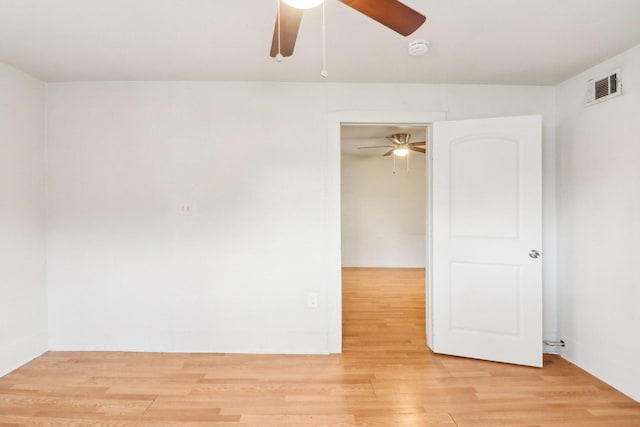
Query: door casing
x=333, y=232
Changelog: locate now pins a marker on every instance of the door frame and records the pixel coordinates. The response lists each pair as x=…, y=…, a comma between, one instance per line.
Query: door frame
x=333, y=201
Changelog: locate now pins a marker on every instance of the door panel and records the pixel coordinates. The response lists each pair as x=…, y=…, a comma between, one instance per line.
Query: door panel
x=493, y=197
x=494, y=287
x=486, y=216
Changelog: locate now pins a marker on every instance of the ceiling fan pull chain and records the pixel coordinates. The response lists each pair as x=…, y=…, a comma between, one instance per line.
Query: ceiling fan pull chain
x=323, y=72
x=394, y=162
x=408, y=155
x=279, y=56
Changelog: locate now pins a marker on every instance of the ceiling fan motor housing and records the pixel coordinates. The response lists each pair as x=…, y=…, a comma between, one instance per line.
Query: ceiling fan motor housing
x=400, y=138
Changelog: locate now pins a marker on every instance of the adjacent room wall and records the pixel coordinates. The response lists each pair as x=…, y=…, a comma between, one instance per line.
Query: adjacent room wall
x=126, y=271
x=23, y=307
x=599, y=231
x=383, y=213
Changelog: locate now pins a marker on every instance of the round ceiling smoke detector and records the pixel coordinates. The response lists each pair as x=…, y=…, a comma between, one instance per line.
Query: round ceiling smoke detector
x=418, y=47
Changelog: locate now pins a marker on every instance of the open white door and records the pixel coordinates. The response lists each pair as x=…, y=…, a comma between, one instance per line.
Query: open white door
x=486, y=272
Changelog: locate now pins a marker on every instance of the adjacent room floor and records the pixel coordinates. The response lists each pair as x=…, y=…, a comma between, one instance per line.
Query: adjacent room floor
x=385, y=377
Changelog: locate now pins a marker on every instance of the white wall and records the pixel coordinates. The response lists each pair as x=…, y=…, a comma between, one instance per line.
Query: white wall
x=23, y=308
x=599, y=232
x=126, y=272
x=383, y=214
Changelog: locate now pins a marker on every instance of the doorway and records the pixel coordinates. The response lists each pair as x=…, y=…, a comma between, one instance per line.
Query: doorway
x=334, y=234
x=383, y=207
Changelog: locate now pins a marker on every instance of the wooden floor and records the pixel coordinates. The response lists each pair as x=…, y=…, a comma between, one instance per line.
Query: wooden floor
x=385, y=377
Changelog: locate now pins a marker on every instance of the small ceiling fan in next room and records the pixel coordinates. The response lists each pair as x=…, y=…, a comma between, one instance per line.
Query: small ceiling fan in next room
x=401, y=145
x=391, y=13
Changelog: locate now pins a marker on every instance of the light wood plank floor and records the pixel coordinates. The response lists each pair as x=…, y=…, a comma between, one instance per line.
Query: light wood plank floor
x=385, y=377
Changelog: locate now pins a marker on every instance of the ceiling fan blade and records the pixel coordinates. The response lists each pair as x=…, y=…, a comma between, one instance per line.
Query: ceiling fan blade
x=390, y=13
x=418, y=149
x=376, y=146
x=413, y=144
x=290, y=19
x=388, y=153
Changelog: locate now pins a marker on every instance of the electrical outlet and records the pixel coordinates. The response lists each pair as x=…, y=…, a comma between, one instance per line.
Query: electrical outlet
x=312, y=300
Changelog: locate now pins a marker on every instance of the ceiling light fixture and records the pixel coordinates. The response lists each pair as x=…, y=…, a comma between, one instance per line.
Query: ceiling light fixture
x=401, y=152
x=303, y=4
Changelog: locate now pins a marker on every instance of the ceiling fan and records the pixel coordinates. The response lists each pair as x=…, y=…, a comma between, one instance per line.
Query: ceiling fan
x=401, y=145
x=391, y=13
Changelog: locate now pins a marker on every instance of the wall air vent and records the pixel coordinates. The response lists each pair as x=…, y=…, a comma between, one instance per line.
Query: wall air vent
x=603, y=88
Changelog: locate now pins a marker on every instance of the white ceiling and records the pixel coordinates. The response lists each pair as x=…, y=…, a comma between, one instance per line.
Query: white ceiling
x=472, y=41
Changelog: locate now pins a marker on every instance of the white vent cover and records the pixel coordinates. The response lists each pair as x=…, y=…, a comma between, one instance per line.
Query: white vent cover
x=603, y=88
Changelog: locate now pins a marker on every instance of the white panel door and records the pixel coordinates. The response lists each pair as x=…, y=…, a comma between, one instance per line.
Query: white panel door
x=486, y=277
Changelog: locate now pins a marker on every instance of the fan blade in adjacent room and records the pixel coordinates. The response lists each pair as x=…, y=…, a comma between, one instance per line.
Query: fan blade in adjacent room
x=388, y=153
x=418, y=149
x=390, y=13
x=376, y=146
x=290, y=19
x=413, y=144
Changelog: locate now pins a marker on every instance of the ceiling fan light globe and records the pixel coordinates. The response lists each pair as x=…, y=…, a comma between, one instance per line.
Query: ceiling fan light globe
x=401, y=152
x=303, y=4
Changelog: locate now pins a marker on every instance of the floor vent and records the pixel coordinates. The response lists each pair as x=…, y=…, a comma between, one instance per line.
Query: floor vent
x=603, y=88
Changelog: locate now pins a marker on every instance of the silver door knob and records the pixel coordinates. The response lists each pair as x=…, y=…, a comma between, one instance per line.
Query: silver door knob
x=534, y=254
